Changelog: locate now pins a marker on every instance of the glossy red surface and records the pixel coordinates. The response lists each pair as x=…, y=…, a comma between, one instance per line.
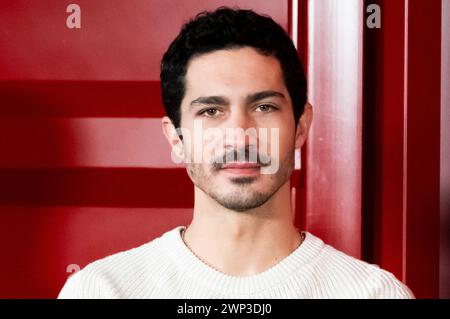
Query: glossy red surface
x=85, y=170
x=401, y=140
x=117, y=41
x=333, y=155
x=42, y=245
x=422, y=146
x=383, y=139
x=444, y=256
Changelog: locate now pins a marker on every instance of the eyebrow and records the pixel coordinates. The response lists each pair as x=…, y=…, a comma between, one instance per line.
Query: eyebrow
x=262, y=95
x=251, y=98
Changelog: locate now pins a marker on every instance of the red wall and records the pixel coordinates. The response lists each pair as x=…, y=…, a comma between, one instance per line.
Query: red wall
x=402, y=143
x=79, y=175
x=332, y=202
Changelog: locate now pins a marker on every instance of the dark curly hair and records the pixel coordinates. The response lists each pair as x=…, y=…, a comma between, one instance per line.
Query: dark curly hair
x=229, y=28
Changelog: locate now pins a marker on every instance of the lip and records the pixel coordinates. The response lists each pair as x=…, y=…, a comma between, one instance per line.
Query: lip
x=240, y=166
x=241, y=169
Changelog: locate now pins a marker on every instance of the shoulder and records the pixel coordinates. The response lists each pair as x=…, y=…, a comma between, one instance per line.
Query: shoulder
x=349, y=277
x=114, y=275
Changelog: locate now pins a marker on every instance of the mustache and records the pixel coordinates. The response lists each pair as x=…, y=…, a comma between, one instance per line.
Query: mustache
x=242, y=154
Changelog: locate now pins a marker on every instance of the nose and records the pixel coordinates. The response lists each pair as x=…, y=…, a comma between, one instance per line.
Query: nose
x=241, y=126
x=239, y=118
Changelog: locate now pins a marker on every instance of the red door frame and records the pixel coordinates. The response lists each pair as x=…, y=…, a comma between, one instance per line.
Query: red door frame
x=331, y=160
x=402, y=143
x=370, y=170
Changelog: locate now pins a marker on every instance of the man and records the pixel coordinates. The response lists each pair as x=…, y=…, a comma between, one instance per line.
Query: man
x=232, y=70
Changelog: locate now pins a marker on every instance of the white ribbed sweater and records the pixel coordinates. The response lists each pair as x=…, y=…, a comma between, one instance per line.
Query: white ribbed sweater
x=166, y=268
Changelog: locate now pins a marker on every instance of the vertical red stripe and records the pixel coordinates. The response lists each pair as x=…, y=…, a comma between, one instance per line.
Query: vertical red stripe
x=383, y=138
x=444, y=256
x=401, y=143
x=302, y=47
x=334, y=158
x=422, y=144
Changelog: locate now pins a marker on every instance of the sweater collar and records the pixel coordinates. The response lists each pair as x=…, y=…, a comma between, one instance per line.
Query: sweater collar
x=208, y=276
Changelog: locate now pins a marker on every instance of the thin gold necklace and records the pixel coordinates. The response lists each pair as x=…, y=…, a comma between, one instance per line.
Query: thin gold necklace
x=302, y=236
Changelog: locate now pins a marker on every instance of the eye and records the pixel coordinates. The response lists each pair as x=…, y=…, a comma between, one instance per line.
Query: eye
x=266, y=108
x=211, y=112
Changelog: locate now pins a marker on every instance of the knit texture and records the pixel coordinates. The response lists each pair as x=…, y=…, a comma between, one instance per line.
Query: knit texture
x=166, y=268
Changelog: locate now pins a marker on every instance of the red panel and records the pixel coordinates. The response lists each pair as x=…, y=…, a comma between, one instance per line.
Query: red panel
x=422, y=147
x=118, y=40
x=46, y=142
x=302, y=47
x=124, y=187
x=402, y=136
x=383, y=139
x=444, y=257
x=333, y=164
x=81, y=98
x=38, y=244
x=59, y=152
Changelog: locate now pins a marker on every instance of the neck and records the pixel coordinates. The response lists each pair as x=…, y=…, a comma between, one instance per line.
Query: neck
x=242, y=243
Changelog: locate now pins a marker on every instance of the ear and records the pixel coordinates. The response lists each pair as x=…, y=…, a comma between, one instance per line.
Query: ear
x=172, y=137
x=303, y=125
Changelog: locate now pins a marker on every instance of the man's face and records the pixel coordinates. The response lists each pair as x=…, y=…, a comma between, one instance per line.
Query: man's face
x=221, y=89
